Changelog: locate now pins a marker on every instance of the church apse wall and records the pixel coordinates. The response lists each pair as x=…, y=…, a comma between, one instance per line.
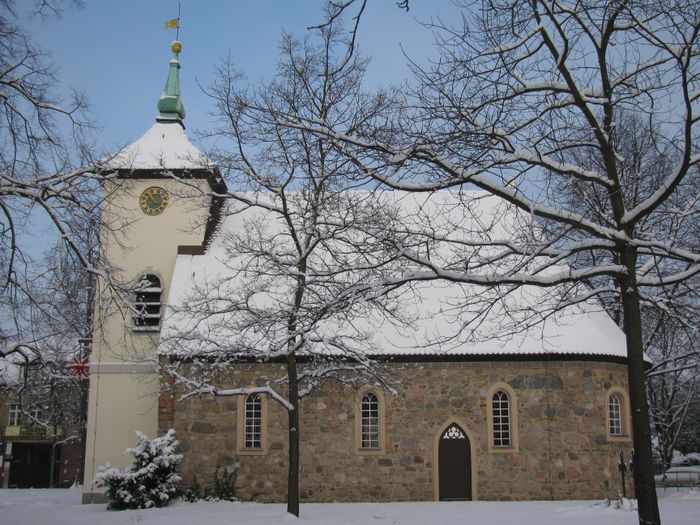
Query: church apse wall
x=508, y=430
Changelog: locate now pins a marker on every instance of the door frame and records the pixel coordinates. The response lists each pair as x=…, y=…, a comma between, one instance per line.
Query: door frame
x=436, y=456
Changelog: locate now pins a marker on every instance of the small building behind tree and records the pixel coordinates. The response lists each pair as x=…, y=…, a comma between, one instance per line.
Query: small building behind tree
x=41, y=422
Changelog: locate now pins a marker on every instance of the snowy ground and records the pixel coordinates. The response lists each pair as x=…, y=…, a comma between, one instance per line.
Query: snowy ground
x=62, y=507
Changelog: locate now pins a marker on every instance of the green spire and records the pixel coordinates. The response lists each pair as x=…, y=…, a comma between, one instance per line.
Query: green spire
x=170, y=108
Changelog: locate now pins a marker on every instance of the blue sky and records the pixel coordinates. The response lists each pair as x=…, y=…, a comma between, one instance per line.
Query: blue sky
x=117, y=52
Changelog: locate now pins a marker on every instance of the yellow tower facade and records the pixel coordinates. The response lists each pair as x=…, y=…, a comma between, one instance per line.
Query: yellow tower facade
x=159, y=198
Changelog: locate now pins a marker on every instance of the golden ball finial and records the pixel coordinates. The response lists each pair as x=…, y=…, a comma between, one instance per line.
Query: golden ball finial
x=176, y=47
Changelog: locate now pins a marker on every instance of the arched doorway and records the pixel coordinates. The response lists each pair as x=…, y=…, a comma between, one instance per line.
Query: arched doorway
x=454, y=460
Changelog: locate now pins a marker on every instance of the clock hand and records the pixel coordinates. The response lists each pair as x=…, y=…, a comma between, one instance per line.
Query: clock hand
x=153, y=201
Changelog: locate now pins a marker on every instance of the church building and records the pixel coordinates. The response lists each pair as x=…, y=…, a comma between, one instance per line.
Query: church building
x=528, y=417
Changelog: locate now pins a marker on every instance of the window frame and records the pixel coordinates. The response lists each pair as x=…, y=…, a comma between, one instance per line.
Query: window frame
x=252, y=422
x=614, y=415
x=242, y=427
x=14, y=415
x=380, y=424
x=369, y=421
x=501, y=419
x=513, y=425
x=624, y=414
x=34, y=416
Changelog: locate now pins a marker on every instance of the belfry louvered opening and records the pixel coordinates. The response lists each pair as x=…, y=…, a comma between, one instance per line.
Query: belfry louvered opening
x=147, y=303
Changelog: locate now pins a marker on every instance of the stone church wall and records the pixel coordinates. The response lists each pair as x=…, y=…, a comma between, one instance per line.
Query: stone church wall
x=563, y=448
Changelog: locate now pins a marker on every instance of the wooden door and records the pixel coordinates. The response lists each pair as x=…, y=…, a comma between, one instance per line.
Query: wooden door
x=454, y=463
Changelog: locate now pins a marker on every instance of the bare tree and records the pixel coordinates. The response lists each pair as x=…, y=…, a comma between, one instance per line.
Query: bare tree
x=48, y=319
x=58, y=298
x=48, y=173
x=672, y=384
x=669, y=313
x=520, y=91
x=303, y=236
x=43, y=139
x=48, y=396
x=688, y=442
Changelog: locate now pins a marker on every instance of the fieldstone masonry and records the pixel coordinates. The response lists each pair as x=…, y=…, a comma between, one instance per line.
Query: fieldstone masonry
x=564, y=451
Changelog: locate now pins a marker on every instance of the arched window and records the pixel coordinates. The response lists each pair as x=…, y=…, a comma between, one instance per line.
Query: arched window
x=251, y=424
x=369, y=431
x=617, y=414
x=147, y=302
x=614, y=415
x=500, y=405
x=370, y=424
x=253, y=421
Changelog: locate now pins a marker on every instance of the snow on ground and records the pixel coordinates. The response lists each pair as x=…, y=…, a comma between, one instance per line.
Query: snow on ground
x=62, y=507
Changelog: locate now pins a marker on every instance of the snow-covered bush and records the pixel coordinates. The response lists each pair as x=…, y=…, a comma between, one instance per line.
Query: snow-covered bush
x=150, y=481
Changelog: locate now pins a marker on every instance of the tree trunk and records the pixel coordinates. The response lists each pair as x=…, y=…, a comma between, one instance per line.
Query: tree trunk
x=644, y=486
x=293, y=473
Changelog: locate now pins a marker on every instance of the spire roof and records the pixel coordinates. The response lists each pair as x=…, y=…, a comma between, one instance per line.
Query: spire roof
x=165, y=146
x=170, y=107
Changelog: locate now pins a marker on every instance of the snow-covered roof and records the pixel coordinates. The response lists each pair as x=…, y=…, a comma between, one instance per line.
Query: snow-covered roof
x=433, y=306
x=164, y=146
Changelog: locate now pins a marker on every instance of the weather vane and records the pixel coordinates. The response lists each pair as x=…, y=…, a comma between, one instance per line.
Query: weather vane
x=175, y=22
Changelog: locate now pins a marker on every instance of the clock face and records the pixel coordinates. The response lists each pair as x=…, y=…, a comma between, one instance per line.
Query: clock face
x=153, y=200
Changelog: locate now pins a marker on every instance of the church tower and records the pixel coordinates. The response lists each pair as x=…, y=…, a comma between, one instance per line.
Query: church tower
x=160, y=199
